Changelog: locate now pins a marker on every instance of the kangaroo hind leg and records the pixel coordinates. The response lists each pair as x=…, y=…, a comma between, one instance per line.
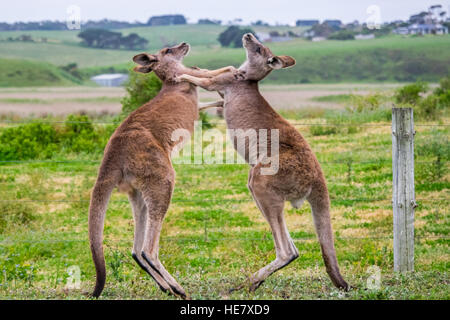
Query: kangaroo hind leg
x=140, y=219
x=157, y=195
x=272, y=207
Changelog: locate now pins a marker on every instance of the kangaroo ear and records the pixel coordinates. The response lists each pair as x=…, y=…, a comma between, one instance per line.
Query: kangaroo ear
x=281, y=62
x=142, y=69
x=145, y=62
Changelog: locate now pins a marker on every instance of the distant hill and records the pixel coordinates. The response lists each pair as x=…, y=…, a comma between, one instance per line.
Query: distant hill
x=389, y=59
x=22, y=73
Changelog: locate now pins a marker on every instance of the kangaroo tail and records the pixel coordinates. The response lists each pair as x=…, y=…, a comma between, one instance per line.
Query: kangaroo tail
x=97, y=211
x=320, y=204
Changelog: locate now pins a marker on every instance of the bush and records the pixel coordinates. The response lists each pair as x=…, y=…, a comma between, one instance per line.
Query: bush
x=29, y=141
x=369, y=102
x=80, y=136
x=141, y=88
x=206, y=120
x=411, y=94
x=429, y=107
x=42, y=141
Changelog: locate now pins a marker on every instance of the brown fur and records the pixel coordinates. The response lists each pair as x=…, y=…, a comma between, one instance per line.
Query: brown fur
x=137, y=161
x=299, y=175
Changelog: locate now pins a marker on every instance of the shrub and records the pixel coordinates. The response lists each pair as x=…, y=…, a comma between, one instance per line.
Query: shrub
x=206, y=120
x=369, y=102
x=411, y=94
x=29, y=141
x=429, y=107
x=141, y=88
x=79, y=135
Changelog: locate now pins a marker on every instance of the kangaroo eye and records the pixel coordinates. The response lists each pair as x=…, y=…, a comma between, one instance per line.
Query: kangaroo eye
x=258, y=50
x=168, y=51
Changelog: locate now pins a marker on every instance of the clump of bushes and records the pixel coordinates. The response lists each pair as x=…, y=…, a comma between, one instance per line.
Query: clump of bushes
x=79, y=135
x=29, y=141
x=39, y=140
x=411, y=93
x=371, y=102
x=430, y=106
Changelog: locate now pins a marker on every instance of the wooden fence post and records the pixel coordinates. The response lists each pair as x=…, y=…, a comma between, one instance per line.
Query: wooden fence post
x=403, y=199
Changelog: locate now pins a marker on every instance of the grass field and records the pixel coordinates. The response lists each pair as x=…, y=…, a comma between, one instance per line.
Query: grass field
x=214, y=237
x=20, y=73
x=388, y=59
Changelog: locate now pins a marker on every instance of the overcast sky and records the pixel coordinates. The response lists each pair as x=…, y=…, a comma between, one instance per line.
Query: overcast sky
x=281, y=11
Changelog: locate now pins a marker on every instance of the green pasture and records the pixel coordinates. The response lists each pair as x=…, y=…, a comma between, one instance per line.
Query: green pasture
x=214, y=237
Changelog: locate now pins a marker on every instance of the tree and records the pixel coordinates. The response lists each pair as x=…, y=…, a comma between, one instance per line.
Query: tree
x=167, y=20
x=105, y=39
x=232, y=37
x=208, y=21
x=141, y=88
x=134, y=42
x=322, y=30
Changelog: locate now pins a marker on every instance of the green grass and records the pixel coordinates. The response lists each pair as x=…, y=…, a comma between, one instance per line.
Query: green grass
x=212, y=246
x=21, y=73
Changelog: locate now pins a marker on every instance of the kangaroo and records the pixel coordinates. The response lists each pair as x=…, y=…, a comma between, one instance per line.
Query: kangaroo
x=299, y=175
x=137, y=161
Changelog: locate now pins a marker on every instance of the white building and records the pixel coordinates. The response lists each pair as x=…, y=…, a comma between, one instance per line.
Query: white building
x=427, y=29
x=110, y=80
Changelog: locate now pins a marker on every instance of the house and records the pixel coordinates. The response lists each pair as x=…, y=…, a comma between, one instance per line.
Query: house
x=267, y=37
x=402, y=30
x=427, y=29
x=110, y=80
x=306, y=23
x=263, y=36
x=335, y=24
